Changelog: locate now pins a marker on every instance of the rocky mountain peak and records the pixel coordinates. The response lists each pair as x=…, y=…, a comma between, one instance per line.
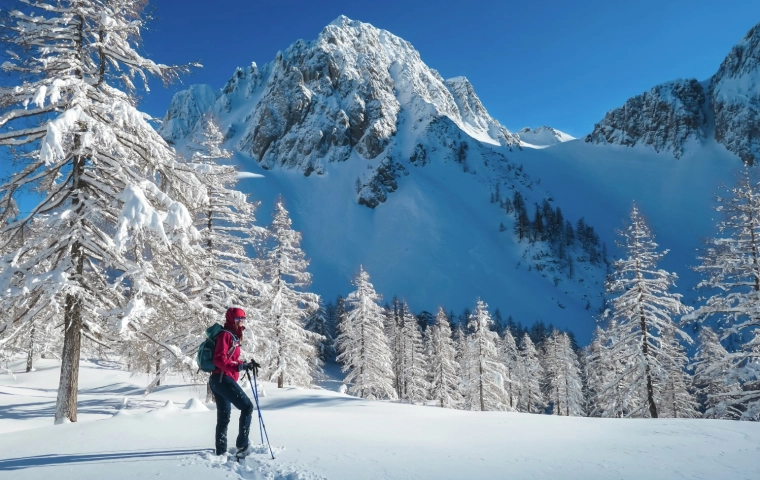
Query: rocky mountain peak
x=348, y=91
x=670, y=114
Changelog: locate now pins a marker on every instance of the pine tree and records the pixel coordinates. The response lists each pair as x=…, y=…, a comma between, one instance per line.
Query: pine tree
x=484, y=387
x=290, y=355
x=642, y=310
x=114, y=231
x=731, y=266
x=443, y=367
x=362, y=344
x=531, y=397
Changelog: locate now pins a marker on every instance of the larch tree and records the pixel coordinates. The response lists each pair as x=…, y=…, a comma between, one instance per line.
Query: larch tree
x=643, y=308
x=362, y=345
x=511, y=357
x=102, y=173
x=413, y=374
x=484, y=383
x=531, y=396
x=731, y=269
x=712, y=378
x=564, y=387
x=318, y=323
x=442, y=364
x=290, y=354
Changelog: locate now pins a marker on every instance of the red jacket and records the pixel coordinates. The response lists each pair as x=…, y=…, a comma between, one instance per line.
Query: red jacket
x=227, y=351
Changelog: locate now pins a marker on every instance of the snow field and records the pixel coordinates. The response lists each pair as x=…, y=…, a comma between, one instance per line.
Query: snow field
x=322, y=434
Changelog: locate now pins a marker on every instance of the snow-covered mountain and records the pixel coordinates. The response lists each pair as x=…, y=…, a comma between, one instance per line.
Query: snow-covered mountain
x=725, y=107
x=355, y=119
x=542, y=137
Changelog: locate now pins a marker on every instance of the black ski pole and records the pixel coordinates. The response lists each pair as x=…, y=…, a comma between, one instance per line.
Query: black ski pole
x=255, y=390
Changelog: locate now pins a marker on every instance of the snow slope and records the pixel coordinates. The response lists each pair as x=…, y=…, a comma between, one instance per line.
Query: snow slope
x=318, y=434
x=542, y=137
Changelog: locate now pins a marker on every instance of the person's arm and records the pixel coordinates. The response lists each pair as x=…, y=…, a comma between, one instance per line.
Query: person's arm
x=223, y=345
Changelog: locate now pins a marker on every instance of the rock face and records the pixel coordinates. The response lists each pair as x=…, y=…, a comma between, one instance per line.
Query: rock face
x=735, y=95
x=347, y=92
x=664, y=118
x=726, y=107
x=186, y=108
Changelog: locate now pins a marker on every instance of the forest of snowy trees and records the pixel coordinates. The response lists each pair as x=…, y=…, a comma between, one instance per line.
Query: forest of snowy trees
x=132, y=249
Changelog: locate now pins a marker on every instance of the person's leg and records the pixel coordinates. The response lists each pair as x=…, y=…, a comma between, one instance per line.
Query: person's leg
x=223, y=410
x=244, y=404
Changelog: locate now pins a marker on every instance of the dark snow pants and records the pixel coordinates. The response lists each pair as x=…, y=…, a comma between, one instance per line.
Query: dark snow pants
x=227, y=391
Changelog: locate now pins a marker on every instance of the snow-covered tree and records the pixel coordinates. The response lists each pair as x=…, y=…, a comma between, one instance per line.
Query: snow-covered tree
x=484, y=382
x=712, y=367
x=414, y=386
x=318, y=323
x=442, y=364
x=103, y=174
x=289, y=352
x=510, y=357
x=677, y=398
x=362, y=345
x=643, y=308
x=532, y=372
x=731, y=269
x=564, y=387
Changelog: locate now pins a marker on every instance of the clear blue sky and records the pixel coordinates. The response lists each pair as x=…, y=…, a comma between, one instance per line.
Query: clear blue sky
x=557, y=63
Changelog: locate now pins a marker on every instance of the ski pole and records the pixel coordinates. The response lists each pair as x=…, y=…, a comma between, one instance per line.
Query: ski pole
x=255, y=390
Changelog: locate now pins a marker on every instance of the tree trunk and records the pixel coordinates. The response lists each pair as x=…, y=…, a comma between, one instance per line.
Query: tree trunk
x=30, y=355
x=66, y=404
x=158, y=370
x=281, y=380
x=645, y=351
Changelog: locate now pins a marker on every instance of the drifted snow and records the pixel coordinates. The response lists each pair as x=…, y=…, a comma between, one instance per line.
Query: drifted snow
x=318, y=434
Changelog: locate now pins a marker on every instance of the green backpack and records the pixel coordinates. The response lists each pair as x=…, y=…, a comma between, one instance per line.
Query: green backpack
x=205, y=357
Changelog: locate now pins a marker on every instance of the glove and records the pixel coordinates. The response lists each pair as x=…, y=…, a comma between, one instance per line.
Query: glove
x=248, y=366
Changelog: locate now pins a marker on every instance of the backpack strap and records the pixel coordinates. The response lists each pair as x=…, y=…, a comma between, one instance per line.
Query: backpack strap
x=235, y=342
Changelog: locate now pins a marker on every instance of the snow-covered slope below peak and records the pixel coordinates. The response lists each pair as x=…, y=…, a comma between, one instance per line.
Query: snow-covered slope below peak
x=542, y=137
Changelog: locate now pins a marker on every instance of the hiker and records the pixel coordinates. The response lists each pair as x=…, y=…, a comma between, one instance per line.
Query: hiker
x=224, y=386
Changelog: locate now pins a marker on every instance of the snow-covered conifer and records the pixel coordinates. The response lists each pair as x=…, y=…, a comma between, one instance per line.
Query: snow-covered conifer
x=442, y=364
x=643, y=308
x=484, y=383
x=414, y=386
x=510, y=357
x=531, y=397
x=289, y=352
x=104, y=174
x=677, y=398
x=362, y=345
x=731, y=269
x=318, y=323
x=712, y=367
x=564, y=387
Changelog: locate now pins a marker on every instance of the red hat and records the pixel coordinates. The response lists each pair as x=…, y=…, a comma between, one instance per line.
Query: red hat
x=233, y=313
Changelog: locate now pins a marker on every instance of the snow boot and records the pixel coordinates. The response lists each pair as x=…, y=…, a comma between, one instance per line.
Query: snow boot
x=243, y=452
